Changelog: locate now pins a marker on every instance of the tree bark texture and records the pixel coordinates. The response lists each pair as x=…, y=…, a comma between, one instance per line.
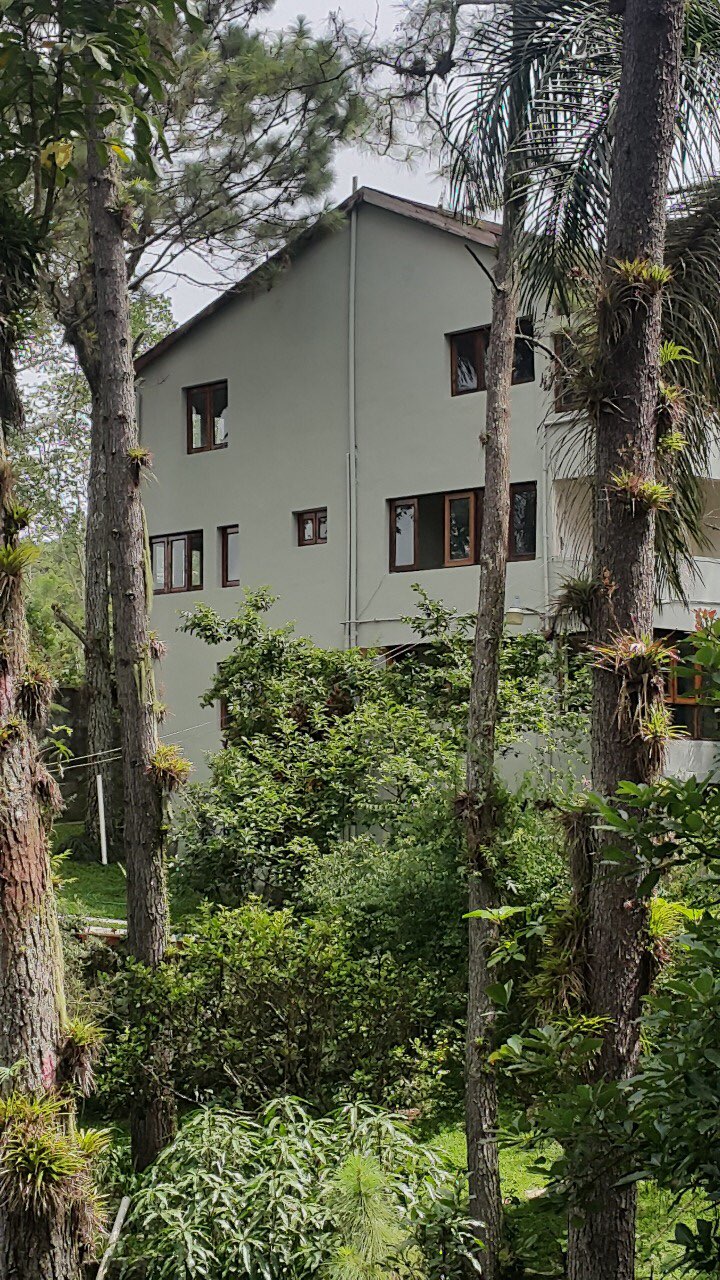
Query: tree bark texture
x=76, y=312
x=481, y=799
x=603, y=1246
x=98, y=665
x=131, y=594
x=32, y=1008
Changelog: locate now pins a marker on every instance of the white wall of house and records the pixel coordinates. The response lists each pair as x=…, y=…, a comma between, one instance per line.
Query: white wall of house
x=287, y=353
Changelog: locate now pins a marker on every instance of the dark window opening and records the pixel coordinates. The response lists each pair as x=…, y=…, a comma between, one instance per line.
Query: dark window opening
x=177, y=562
x=442, y=530
x=460, y=528
x=206, y=408
x=312, y=527
x=230, y=555
x=468, y=352
x=523, y=521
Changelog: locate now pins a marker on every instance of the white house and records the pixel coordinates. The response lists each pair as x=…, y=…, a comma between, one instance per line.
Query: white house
x=318, y=430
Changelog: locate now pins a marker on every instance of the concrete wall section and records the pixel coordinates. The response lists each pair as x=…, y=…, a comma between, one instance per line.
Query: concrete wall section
x=284, y=355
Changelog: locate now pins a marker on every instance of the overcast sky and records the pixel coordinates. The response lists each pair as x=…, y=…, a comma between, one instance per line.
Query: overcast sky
x=419, y=181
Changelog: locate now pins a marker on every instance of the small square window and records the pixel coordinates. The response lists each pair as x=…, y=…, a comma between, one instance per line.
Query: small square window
x=230, y=555
x=206, y=408
x=177, y=562
x=312, y=527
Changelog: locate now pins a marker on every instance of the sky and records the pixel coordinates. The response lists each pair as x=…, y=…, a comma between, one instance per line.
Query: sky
x=420, y=181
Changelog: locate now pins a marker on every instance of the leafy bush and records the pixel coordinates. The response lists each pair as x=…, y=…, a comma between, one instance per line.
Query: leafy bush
x=286, y=1196
x=322, y=741
x=292, y=1010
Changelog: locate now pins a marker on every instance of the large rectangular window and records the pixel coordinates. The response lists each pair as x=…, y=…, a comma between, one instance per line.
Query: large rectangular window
x=468, y=353
x=230, y=555
x=442, y=530
x=206, y=408
x=177, y=562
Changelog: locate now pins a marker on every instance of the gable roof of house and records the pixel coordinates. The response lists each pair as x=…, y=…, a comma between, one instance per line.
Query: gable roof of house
x=477, y=231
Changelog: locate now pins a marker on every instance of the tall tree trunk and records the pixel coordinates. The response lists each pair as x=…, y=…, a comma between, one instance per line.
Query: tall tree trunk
x=98, y=664
x=603, y=1246
x=32, y=1011
x=153, y=1118
x=481, y=798
x=75, y=310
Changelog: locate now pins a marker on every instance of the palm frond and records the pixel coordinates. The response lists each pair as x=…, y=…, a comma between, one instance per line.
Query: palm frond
x=565, y=56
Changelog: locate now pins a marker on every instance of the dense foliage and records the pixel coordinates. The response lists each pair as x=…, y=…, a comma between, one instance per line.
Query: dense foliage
x=287, y=1196
x=321, y=742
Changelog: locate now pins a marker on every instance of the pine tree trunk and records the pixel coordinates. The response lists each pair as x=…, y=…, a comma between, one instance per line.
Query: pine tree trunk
x=131, y=594
x=98, y=666
x=481, y=799
x=603, y=1246
x=31, y=970
x=75, y=311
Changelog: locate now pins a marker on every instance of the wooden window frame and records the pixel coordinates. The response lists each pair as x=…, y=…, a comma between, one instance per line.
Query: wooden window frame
x=225, y=530
x=394, y=504
x=477, y=502
x=208, y=424
x=449, y=562
x=512, y=555
x=481, y=334
x=167, y=539
x=314, y=514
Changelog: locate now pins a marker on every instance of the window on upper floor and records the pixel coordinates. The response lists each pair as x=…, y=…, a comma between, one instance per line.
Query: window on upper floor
x=230, y=555
x=206, y=408
x=468, y=352
x=442, y=530
x=177, y=562
x=311, y=527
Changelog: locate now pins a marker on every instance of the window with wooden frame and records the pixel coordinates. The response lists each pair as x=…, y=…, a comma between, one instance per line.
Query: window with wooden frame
x=311, y=527
x=523, y=521
x=442, y=530
x=684, y=694
x=206, y=413
x=468, y=351
x=459, y=535
x=230, y=555
x=404, y=525
x=177, y=562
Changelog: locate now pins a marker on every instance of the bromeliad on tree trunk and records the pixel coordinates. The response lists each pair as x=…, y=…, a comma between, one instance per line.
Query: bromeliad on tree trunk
x=601, y=1242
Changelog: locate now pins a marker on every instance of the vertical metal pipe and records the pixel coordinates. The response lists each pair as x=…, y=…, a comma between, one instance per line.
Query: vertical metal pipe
x=352, y=592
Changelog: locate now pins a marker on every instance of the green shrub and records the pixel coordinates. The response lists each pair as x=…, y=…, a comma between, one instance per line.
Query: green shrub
x=287, y=1196
x=258, y=1003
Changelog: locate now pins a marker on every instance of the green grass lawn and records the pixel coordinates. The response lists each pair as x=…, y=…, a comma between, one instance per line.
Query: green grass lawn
x=89, y=889
x=536, y=1227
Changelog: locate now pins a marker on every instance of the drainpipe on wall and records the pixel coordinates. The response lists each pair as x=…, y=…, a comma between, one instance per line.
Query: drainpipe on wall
x=352, y=549
x=546, y=498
